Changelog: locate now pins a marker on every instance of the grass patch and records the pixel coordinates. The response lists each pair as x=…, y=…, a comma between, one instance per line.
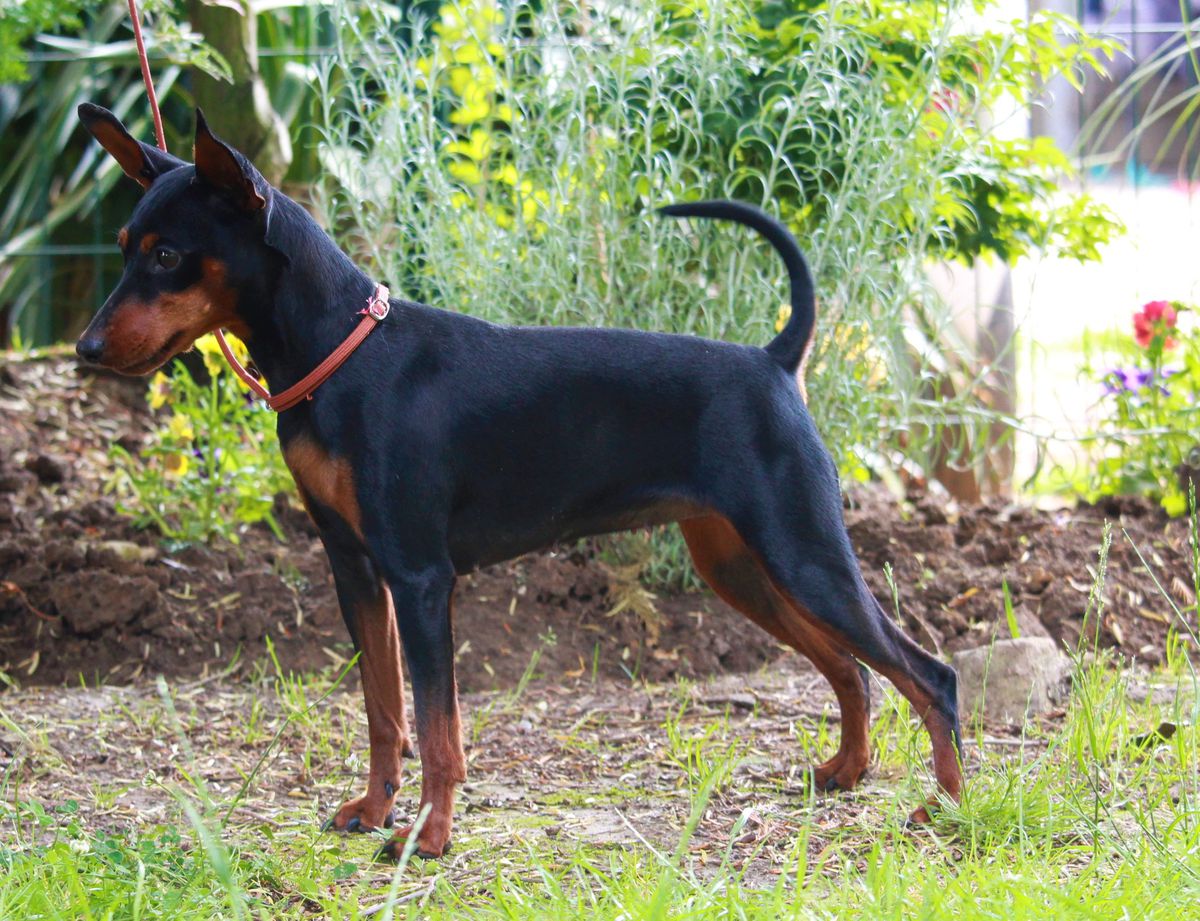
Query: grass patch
x=685, y=810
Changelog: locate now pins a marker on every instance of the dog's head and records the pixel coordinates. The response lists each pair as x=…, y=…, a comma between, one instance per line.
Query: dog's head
x=193, y=241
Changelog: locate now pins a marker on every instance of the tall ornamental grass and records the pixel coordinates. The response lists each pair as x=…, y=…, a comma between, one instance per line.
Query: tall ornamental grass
x=506, y=161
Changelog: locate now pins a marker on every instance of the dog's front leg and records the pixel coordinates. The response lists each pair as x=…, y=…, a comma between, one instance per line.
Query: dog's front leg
x=423, y=599
x=371, y=620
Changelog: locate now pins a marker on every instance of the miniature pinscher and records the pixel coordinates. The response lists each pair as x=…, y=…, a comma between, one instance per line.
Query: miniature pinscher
x=444, y=443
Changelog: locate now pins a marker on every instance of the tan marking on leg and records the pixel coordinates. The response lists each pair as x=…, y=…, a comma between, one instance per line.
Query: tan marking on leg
x=379, y=666
x=729, y=566
x=324, y=479
x=443, y=768
x=718, y=541
x=947, y=766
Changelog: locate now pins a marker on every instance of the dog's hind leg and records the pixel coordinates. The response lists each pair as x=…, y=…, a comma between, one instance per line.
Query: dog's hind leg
x=730, y=568
x=811, y=564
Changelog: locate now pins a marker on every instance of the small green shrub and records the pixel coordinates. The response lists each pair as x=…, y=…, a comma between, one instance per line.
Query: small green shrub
x=213, y=467
x=1148, y=433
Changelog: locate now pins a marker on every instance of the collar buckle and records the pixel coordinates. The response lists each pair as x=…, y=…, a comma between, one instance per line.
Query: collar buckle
x=379, y=305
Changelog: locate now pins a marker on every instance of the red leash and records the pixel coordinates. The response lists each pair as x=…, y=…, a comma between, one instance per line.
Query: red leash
x=377, y=306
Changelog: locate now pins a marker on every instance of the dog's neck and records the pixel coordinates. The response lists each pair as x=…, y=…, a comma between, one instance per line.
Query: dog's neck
x=309, y=306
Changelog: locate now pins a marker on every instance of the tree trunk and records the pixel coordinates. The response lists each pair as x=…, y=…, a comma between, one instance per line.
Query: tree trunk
x=240, y=113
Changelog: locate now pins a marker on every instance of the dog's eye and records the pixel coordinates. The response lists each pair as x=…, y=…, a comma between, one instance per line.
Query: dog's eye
x=166, y=258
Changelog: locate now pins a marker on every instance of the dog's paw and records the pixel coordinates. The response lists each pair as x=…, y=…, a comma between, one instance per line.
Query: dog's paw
x=364, y=814
x=836, y=774
x=429, y=847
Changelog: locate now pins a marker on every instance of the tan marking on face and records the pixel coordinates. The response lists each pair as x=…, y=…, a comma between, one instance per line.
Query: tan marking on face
x=140, y=338
x=148, y=242
x=143, y=337
x=325, y=479
x=123, y=237
x=223, y=299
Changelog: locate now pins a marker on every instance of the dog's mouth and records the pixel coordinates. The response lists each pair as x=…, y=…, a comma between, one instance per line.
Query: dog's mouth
x=145, y=366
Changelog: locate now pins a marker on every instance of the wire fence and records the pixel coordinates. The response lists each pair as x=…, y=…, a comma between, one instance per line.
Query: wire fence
x=67, y=266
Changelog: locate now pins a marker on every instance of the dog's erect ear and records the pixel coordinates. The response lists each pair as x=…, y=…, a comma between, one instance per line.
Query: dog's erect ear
x=228, y=171
x=141, y=162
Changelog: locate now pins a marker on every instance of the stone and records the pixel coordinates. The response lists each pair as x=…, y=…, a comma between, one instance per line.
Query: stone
x=127, y=551
x=91, y=601
x=46, y=468
x=1011, y=680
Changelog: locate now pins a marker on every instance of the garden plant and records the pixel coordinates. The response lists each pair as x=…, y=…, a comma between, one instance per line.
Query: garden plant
x=1148, y=433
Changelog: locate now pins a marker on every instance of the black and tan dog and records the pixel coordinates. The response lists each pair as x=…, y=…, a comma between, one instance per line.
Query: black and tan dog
x=445, y=443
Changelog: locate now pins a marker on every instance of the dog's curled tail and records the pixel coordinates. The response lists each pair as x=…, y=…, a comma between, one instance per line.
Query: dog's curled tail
x=790, y=346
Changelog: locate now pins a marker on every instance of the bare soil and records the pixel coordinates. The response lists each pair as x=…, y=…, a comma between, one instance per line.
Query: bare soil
x=83, y=595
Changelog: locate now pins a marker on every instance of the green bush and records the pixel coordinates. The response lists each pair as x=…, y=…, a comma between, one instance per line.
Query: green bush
x=506, y=162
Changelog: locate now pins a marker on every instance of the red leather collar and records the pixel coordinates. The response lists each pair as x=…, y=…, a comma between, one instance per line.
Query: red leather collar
x=377, y=308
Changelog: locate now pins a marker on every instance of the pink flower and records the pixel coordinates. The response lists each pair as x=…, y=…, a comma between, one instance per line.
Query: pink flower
x=1154, y=320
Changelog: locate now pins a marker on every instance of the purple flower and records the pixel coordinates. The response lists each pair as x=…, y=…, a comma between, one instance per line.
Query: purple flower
x=1116, y=380
x=1131, y=380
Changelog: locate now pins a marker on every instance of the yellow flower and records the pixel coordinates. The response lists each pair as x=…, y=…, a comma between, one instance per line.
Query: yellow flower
x=176, y=464
x=214, y=361
x=785, y=314
x=214, y=358
x=470, y=112
x=465, y=171
x=238, y=347
x=160, y=390
x=181, y=427
x=476, y=149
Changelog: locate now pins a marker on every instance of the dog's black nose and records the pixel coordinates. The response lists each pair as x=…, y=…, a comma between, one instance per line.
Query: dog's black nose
x=90, y=349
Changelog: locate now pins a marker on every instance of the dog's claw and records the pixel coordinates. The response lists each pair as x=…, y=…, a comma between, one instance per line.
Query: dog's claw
x=354, y=824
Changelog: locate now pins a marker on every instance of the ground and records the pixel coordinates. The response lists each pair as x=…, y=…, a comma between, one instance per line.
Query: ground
x=632, y=760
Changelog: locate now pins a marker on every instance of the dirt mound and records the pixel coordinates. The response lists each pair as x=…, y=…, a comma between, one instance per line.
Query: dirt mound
x=84, y=594
x=951, y=566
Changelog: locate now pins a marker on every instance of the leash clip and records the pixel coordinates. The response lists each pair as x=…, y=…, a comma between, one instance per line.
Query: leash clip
x=379, y=305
